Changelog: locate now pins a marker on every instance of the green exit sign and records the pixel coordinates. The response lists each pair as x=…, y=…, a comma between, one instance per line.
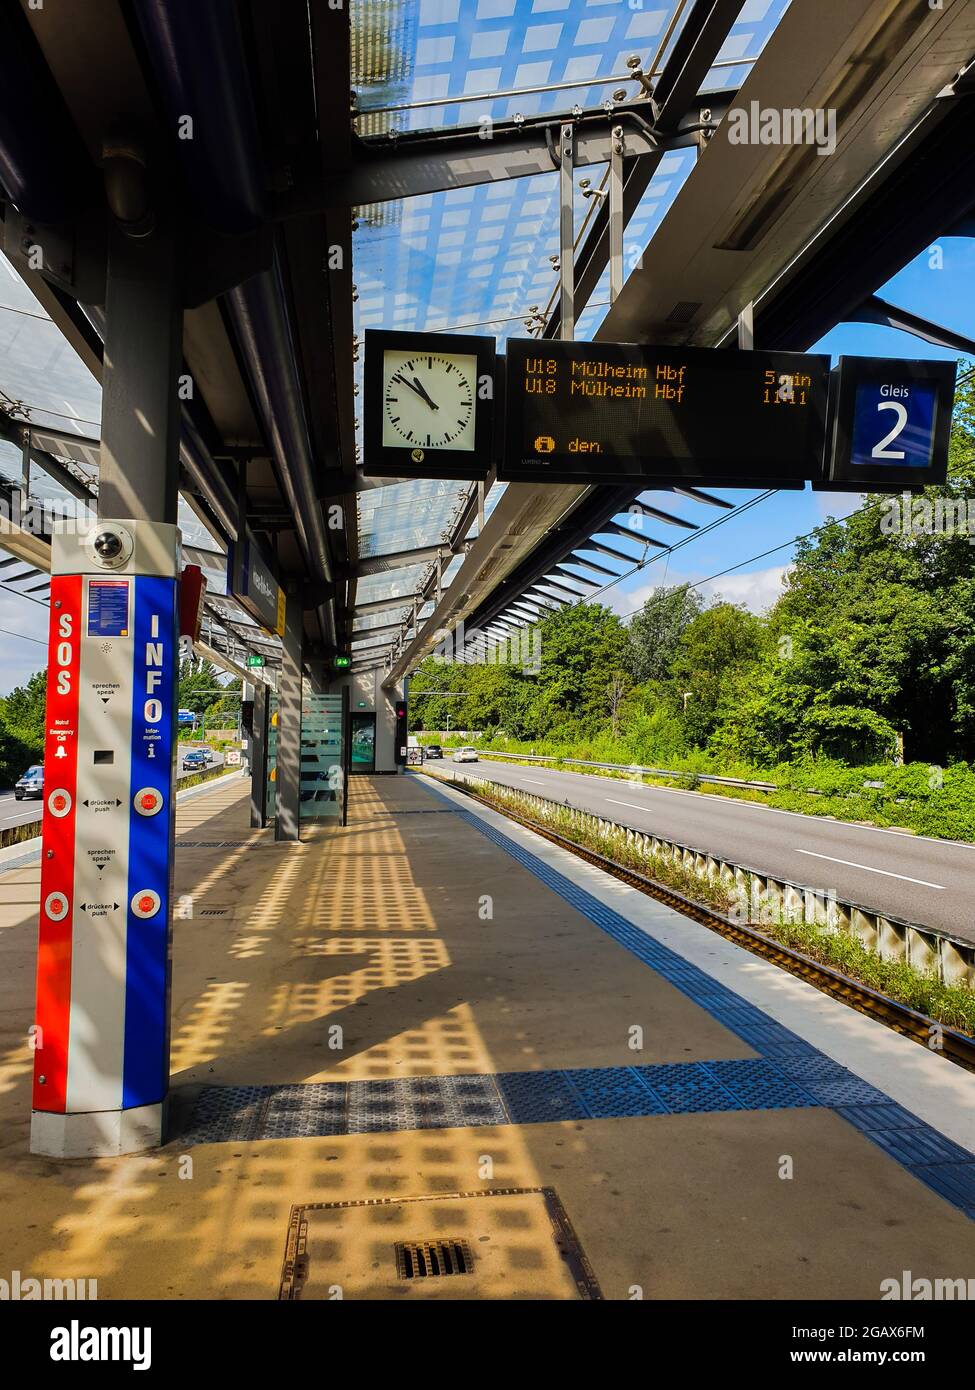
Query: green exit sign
x=341, y=662
x=255, y=661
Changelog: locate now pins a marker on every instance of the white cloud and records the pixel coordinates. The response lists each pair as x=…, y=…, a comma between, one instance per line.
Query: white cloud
x=756, y=589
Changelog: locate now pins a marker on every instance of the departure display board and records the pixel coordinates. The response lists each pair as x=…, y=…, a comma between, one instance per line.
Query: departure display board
x=619, y=413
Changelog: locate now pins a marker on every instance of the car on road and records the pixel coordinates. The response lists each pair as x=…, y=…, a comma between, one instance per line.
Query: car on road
x=197, y=759
x=465, y=755
x=31, y=784
x=433, y=750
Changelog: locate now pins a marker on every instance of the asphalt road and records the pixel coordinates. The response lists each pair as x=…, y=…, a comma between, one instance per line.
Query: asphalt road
x=13, y=812
x=931, y=882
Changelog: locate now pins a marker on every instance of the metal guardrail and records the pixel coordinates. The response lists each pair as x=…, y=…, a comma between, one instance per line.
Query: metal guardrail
x=634, y=768
x=763, y=896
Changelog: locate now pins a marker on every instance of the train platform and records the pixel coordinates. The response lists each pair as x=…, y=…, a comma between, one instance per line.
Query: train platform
x=431, y=1042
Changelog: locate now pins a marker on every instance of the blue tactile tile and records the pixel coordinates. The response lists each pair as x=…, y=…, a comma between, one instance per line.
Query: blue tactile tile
x=686, y=1088
x=535, y=1097
x=922, y=1145
x=885, y=1116
x=610, y=1092
x=953, y=1181
x=758, y=1085
x=830, y=1083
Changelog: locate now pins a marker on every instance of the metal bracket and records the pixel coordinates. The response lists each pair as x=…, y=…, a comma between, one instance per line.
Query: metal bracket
x=746, y=327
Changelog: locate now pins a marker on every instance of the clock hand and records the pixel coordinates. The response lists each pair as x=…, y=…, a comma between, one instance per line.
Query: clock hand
x=421, y=392
x=416, y=388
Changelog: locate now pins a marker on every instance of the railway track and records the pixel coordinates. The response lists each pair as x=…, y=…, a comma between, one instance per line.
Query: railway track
x=955, y=1047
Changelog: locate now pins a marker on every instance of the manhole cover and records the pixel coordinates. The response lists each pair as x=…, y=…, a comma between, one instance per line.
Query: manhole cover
x=433, y=1259
x=512, y=1243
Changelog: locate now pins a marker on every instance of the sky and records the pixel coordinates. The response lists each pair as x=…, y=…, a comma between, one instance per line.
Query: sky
x=481, y=257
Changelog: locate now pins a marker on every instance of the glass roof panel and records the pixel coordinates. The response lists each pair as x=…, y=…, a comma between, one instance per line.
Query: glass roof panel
x=39, y=369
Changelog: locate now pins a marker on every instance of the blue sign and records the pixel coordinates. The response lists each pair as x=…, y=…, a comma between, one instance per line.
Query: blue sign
x=108, y=608
x=889, y=424
x=893, y=425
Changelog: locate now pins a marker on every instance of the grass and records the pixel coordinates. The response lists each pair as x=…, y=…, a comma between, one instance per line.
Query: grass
x=951, y=1005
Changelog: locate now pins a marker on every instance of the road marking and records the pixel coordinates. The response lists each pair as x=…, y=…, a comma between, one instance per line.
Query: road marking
x=905, y=878
x=777, y=811
x=632, y=804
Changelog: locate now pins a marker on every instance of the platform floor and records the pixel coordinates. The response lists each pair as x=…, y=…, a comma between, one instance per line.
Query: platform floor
x=433, y=1026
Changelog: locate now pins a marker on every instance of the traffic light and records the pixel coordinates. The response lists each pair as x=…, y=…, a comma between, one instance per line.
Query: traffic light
x=400, y=746
x=341, y=663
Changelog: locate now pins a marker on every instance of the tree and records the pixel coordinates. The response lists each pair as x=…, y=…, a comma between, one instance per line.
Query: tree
x=22, y=727
x=712, y=653
x=656, y=630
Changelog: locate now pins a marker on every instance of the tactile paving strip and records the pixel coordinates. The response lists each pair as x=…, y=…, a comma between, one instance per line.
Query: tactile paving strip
x=687, y=1088
x=758, y=1085
x=613, y=1091
x=811, y=1072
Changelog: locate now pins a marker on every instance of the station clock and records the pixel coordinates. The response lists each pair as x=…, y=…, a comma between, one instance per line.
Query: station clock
x=429, y=403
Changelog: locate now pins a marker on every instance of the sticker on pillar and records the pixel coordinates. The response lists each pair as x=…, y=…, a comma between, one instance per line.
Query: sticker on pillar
x=146, y=903
x=108, y=608
x=56, y=906
x=148, y=801
x=59, y=802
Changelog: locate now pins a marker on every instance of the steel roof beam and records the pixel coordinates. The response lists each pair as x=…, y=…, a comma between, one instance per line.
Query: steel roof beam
x=421, y=162
x=876, y=310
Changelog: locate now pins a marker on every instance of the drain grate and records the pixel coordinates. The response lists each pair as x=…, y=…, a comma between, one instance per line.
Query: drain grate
x=428, y=1259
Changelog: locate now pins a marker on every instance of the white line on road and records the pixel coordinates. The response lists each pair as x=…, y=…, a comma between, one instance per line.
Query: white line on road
x=886, y=872
x=631, y=804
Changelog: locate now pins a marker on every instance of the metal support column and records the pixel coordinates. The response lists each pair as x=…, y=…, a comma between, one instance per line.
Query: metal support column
x=101, y=1058
x=138, y=472
x=746, y=327
x=287, y=798
x=567, y=231
x=616, y=213
x=258, y=752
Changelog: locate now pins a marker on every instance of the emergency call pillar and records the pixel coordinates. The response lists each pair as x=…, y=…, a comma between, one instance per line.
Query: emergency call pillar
x=101, y=1034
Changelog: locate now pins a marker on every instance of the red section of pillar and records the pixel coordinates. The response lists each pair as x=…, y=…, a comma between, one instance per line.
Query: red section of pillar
x=52, y=1018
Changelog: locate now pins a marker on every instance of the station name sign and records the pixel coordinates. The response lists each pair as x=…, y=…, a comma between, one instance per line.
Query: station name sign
x=251, y=581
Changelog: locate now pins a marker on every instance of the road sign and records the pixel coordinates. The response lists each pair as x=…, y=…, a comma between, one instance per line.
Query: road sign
x=618, y=413
x=890, y=422
x=255, y=659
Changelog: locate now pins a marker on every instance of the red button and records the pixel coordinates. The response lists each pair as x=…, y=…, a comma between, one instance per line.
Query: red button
x=146, y=903
x=59, y=802
x=148, y=801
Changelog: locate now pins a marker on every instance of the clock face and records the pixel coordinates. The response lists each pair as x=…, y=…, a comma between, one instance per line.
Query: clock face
x=429, y=400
